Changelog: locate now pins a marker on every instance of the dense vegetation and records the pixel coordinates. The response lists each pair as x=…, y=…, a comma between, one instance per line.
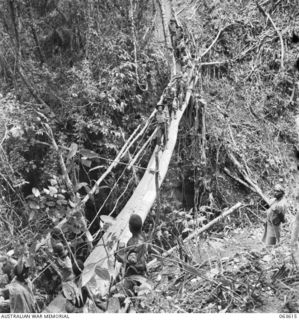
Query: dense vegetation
x=78, y=77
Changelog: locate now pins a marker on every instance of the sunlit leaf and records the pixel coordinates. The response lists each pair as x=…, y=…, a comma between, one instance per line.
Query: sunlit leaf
x=52, y=190
x=53, y=182
x=36, y=192
x=88, y=154
x=85, y=162
x=73, y=150
x=33, y=205
x=80, y=185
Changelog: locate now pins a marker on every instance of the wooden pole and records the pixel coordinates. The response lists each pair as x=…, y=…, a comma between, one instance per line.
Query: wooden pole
x=130, y=158
x=203, y=136
x=158, y=211
x=142, y=148
x=106, y=173
x=139, y=134
x=199, y=231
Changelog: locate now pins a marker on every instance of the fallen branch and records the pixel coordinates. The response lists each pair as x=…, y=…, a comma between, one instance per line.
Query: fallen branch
x=212, y=63
x=199, y=231
x=238, y=179
x=248, y=180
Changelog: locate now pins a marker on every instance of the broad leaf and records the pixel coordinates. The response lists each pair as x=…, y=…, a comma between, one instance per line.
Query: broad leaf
x=80, y=185
x=102, y=273
x=52, y=190
x=33, y=205
x=53, y=182
x=73, y=151
x=88, y=154
x=36, y=192
x=85, y=162
x=113, y=305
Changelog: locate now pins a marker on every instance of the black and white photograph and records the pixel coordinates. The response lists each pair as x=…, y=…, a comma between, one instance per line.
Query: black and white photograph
x=149, y=158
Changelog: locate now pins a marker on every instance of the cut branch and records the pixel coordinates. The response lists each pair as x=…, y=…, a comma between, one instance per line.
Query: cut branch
x=239, y=180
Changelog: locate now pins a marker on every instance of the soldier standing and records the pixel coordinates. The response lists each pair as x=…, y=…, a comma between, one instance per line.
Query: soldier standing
x=275, y=216
x=19, y=290
x=162, y=117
